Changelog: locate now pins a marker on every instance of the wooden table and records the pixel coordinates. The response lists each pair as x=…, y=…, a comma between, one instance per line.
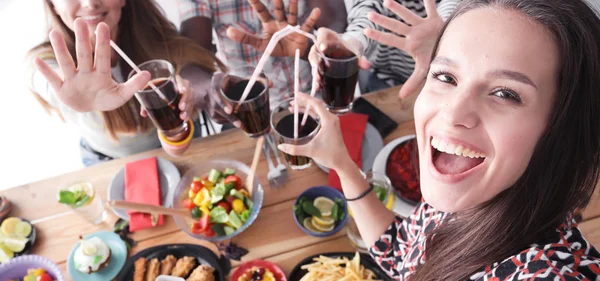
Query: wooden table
x=273, y=236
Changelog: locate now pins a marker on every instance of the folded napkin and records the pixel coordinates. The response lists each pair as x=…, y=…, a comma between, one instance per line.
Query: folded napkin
x=142, y=185
x=353, y=127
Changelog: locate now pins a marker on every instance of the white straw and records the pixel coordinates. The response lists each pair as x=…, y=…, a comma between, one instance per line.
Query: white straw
x=136, y=68
x=296, y=89
x=261, y=63
x=313, y=91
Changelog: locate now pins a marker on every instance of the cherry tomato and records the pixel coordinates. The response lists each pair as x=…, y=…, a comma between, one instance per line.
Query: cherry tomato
x=202, y=225
x=196, y=186
x=189, y=204
x=225, y=206
x=44, y=277
x=229, y=198
x=236, y=179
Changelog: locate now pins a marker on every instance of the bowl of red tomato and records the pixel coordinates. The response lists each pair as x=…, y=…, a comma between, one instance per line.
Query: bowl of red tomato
x=220, y=205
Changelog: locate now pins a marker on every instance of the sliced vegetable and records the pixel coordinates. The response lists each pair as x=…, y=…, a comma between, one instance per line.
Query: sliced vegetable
x=202, y=225
x=235, y=220
x=234, y=179
x=237, y=194
x=245, y=216
x=202, y=198
x=219, y=215
x=225, y=206
x=196, y=186
x=228, y=172
x=228, y=230
x=218, y=193
x=209, y=233
x=248, y=202
x=192, y=194
x=238, y=206
x=207, y=184
x=196, y=212
x=229, y=186
x=214, y=176
x=218, y=229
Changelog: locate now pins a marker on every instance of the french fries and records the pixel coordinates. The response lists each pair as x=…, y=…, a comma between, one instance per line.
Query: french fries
x=334, y=269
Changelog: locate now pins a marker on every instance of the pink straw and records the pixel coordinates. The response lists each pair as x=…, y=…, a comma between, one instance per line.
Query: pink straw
x=137, y=69
x=296, y=89
x=263, y=60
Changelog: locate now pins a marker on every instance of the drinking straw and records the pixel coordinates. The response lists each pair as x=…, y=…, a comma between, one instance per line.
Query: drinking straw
x=296, y=86
x=136, y=68
x=313, y=91
x=263, y=59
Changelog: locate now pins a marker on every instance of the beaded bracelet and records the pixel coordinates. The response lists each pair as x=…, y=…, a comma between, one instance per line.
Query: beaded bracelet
x=362, y=194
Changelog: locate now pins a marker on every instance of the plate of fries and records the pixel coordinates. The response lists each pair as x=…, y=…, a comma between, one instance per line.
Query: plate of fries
x=343, y=266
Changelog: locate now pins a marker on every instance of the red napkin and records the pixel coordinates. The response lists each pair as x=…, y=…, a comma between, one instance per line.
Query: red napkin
x=142, y=185
x=353, y=127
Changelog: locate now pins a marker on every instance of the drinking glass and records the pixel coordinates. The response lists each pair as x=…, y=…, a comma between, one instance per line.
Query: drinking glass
x=84, y=202
x=254, y=111
x=338, y=68
x=282, y=122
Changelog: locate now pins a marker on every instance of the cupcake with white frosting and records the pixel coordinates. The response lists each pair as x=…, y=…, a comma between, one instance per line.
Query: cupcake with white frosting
x=92, y=255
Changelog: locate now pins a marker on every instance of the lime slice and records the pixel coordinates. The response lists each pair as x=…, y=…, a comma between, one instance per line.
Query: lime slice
x=321, y=228
x=307, y=223
x=324, y=205
x=8, y=225
x=5, y=253
x=23, y=229
x=15, y=245
x=324, y=221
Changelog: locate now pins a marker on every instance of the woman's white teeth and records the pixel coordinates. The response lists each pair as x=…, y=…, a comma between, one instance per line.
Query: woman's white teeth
x=453, y=148
x=92, y=17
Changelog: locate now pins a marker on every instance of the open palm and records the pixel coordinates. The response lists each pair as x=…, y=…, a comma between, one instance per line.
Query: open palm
x=90, y=85
x=286, y=46
x=420, y=35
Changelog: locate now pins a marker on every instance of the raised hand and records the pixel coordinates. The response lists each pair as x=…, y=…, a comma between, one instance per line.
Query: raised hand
x=89, y=85
x=287, y=46
x=420, y=37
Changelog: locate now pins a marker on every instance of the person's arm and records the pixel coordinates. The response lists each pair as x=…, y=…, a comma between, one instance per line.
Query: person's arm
x=335, y=11
x=196, y=21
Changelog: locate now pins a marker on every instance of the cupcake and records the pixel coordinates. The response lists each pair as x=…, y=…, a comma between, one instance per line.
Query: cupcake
x=92, y=255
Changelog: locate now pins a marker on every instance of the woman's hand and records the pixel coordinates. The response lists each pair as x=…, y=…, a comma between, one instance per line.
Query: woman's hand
x=186, y=104
x=89, y=85
x=419, y=41
x=286, y=47
x=327, y=147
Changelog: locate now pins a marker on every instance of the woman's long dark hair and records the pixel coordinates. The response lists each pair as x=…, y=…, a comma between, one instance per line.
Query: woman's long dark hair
x=564, y=167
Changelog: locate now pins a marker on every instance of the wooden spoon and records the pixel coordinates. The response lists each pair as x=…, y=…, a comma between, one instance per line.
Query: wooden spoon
x=254, y=165
x=150, y=209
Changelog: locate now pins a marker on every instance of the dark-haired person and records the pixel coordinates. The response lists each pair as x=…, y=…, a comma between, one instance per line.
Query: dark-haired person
x=87, y=86
x=508, y=80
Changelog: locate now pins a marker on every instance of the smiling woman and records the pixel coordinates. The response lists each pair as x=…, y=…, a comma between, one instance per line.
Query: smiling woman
x=509, y=80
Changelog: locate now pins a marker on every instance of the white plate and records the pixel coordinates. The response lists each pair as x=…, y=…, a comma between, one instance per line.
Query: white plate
x=371, y=145
x=401, y=206
x=168, y=177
